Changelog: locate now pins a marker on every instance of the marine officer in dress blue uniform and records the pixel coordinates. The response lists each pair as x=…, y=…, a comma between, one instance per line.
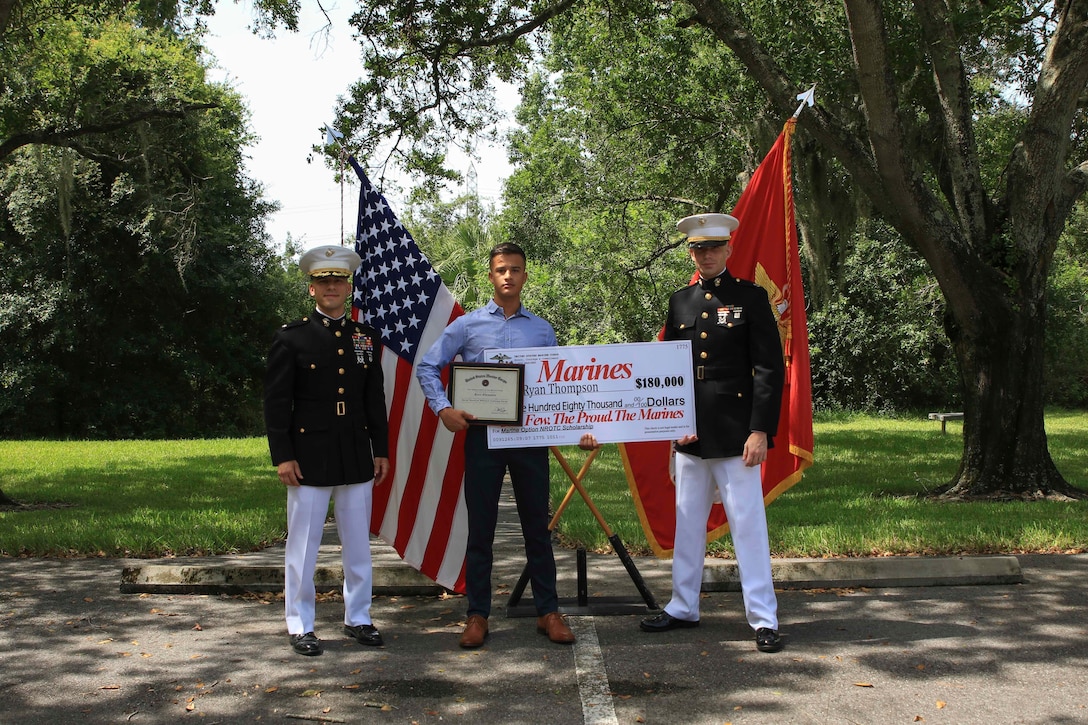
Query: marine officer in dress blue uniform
x=738, y=372
x=324, y=408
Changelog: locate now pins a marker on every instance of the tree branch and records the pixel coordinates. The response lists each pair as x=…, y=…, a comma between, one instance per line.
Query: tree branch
x=882, y=170
x=1063, y=79
x=6, y=9
x=510, y=37
x=908, y=204
x=647, y=263
x=843, y=143
x=67, y=137
x=1076, y=181
x=880, y=99
x=950, y=79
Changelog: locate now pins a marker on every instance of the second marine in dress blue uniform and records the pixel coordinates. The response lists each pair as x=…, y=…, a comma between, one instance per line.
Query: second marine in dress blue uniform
x=738, y=370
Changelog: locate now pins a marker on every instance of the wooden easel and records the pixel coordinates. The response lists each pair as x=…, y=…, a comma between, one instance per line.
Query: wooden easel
x=582, y=605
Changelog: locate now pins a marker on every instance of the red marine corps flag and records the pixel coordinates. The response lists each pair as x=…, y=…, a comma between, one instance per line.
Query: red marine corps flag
x=420, y=511
x=765, y=252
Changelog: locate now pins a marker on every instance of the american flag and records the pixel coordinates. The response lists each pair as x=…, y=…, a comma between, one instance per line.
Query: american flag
x=421, y=510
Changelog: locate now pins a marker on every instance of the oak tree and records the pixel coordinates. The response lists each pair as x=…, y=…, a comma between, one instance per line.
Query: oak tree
x=961, y=124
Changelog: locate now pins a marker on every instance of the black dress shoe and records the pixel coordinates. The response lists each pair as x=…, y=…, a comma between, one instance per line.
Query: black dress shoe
x=664, y=622
x=306, y=644
x=767, y=640
x=365, y=634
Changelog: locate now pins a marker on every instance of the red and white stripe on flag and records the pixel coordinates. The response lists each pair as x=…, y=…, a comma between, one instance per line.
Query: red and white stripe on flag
x=420, y=511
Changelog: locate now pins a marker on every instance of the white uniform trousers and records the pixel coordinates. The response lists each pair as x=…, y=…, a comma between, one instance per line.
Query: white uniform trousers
x=307, y=508
x=742, y=495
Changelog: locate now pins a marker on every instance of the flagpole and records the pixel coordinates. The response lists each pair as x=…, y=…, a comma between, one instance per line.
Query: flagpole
x=333, y=136
x=340, y=157
x=807, y=98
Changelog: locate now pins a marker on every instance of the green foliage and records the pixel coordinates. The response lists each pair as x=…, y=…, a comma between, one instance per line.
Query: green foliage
x=134, y=262
x=456, y=238
x=409, y=106
x=1066, y=377
x=878, y=344
x=22, y=21
x=608, y=157
x=82, y=78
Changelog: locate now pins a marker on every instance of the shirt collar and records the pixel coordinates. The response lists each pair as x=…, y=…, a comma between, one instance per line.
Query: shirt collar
x=494, y=309
x=714, y=281
x=319, y=315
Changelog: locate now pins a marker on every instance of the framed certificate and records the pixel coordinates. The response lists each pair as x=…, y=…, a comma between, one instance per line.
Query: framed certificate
x=493, y=392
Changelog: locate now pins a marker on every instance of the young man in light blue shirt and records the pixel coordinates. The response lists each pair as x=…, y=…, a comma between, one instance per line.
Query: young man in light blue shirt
x=503, y=323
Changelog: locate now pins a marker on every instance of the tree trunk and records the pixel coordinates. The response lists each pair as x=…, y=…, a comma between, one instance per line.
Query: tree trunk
x=6, y=501
x=1000, y=355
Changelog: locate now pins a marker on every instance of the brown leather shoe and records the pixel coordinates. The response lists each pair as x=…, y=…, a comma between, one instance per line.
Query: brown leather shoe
x=475, y=631
x=552, y=624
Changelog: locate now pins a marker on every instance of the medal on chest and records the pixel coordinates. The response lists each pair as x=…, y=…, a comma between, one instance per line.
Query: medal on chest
x=364, y=348
x=729, y=315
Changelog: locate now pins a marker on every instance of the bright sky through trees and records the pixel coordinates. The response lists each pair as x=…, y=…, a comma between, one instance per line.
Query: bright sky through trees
x=290, y=84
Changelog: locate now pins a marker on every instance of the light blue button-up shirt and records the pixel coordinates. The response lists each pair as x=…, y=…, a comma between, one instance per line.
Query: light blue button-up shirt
x=485, y=328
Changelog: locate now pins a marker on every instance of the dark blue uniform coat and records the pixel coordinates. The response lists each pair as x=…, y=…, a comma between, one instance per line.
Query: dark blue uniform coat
x=324, y=401
x=737, y=362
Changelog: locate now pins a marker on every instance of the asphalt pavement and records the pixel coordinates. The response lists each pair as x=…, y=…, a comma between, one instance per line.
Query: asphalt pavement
x=892, y=640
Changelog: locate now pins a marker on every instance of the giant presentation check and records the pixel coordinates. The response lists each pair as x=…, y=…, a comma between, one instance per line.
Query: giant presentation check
x=640, y=391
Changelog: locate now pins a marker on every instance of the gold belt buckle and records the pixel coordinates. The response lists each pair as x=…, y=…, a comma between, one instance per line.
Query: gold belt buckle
x=340, y=409
x=699, y=372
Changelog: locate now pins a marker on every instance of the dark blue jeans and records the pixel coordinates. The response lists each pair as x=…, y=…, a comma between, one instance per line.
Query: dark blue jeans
x=484, y=469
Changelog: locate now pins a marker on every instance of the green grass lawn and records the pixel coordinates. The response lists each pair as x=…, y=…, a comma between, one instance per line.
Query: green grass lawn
x=865, y=495
x=140, y=498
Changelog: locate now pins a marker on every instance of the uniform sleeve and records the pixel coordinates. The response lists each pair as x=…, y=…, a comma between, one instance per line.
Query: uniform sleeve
x=429, y=371
x=377, y=417
x=767, y=367
x=279, y=385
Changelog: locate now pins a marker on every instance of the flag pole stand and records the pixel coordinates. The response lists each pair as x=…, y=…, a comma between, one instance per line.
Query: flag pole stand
x=582, y=605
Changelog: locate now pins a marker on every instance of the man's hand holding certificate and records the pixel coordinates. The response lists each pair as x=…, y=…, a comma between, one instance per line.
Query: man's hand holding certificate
x=618, y=393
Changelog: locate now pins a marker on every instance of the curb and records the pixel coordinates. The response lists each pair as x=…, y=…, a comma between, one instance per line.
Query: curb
x=231, y=577
x=217, y=578
x=891, y=571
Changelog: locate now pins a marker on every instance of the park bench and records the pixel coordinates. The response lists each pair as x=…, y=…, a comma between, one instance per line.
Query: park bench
x=944, y=418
